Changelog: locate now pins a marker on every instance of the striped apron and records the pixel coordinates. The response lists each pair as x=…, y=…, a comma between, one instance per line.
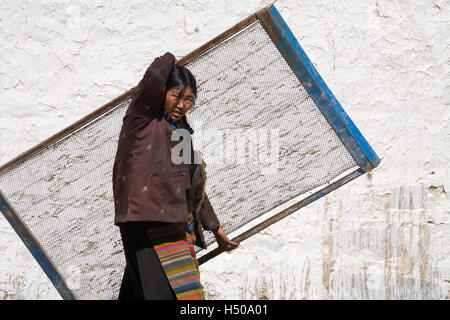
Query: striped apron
x=177, y=256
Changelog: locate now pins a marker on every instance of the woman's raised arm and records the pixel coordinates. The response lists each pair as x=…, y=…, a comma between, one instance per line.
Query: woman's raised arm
x=152, y=87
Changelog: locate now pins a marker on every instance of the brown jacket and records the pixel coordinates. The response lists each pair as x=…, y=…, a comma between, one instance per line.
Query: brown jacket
x=147, y=185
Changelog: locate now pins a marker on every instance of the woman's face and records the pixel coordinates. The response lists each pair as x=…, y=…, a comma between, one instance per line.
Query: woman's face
x=178, y=103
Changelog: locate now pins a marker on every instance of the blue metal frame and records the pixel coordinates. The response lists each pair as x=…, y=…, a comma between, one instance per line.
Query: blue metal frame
x=36, y=250
x=287, y=44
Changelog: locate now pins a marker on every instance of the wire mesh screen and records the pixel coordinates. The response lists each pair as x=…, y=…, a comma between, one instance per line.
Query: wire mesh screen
x=64, y=195
x=263, y=138
x=248, y=99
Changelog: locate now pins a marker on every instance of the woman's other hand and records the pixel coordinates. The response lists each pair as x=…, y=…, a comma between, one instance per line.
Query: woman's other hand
x=223, y=241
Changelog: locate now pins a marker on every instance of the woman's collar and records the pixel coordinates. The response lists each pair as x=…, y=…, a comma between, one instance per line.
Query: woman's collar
x=177, y=125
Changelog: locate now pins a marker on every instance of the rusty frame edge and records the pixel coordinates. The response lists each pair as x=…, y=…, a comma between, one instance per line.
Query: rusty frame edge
x=217, y=40
x=222, y=37
x=286, y=212
x=68, y=130
x=35, y=248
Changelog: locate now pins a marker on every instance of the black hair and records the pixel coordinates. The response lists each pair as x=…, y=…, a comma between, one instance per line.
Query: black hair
x=181, y=77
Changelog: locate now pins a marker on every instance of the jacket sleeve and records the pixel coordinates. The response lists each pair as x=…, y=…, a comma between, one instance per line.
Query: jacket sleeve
x=152, y=88
x=209, y=219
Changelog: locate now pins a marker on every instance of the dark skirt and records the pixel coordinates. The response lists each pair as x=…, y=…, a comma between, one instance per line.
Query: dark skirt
x=144, y=277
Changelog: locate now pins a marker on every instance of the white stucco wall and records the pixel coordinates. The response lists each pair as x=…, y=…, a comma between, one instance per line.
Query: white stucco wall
x=383, y=236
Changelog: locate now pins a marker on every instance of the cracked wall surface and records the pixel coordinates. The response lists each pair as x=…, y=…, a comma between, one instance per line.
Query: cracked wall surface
x=382, y=236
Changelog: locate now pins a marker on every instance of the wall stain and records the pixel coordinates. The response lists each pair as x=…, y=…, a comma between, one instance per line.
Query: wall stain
x=328, y=260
